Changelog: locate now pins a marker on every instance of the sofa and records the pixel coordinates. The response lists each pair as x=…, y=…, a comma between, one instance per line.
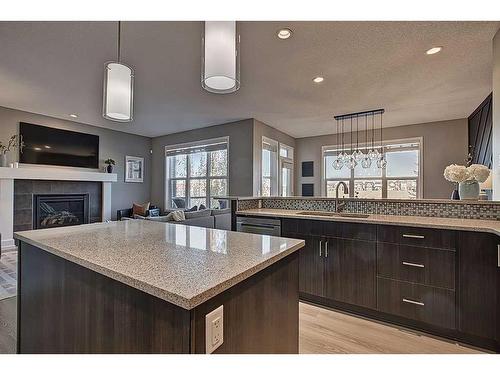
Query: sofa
x=216, y=218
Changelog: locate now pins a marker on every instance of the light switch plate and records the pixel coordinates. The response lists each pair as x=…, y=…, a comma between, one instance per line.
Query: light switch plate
x=214, y=329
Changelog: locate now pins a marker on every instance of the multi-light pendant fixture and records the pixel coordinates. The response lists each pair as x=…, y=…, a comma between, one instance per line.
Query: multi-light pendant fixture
x=351, y=155
x=118, y=91
x=220, y=66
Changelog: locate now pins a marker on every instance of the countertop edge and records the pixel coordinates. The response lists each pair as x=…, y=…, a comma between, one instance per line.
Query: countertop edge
x=373, y=220
x=175, y=299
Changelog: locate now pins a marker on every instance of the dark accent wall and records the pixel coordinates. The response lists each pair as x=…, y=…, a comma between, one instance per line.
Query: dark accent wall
x=23, y=198
x=480, y=133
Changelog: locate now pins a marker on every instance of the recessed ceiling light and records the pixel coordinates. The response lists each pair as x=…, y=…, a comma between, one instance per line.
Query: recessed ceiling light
x=73, y=115
x=47, y=146
x=433, y=50
x=318, y=79
x=284, y=33
x=37, y=149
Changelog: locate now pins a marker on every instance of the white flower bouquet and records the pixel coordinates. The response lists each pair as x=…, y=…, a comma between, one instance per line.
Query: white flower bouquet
x=459, y=173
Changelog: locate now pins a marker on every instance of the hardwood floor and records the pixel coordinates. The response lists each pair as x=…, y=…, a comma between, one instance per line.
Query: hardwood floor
x=8, y=318
x=321, y=331
x=326, y=331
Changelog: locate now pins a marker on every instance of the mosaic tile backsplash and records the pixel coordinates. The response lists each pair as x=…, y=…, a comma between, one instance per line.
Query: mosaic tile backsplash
x=460, y=210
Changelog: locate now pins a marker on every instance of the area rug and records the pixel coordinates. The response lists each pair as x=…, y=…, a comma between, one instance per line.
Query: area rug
x=8, y=274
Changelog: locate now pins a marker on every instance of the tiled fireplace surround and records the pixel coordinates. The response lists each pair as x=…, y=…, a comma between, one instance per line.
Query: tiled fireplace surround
x=25, y=189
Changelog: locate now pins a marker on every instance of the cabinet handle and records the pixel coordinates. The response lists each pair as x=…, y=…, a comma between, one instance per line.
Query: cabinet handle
x=413, y=302
x=413, y=264
x=326, y=249
x=320, y=247
x=414, y=236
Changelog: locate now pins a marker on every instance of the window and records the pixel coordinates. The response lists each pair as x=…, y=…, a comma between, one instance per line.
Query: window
x=401, y=179
x=277, y=168
x=269, y=183
x=286, y=170
x=196, y=173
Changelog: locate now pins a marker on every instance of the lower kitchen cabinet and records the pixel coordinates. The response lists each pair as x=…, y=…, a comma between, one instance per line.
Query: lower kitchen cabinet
x=440, y=281
x=311, y=266
x=350, y=268
x=479, y=285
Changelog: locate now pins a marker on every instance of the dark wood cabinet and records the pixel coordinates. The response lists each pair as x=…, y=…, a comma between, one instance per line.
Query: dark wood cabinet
x=479, y=279
x=440, y=281
x=350, y=271
x=311, y=267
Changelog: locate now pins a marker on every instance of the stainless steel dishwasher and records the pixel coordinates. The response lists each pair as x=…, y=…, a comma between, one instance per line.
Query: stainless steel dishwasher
x=257, y=225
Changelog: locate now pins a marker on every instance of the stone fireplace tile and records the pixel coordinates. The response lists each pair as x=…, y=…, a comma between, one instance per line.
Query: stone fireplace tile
x=42, y=187
x=22, y=217
x=23, y=201
x=23, y=186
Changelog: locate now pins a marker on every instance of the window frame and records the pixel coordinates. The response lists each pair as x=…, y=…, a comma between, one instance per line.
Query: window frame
x=383, y=178
x=207, y=177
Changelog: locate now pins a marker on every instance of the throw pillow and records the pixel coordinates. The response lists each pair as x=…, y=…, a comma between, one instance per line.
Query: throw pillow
x=176, y=216
x=140, y=209
x=202, y=207
x=194, y=208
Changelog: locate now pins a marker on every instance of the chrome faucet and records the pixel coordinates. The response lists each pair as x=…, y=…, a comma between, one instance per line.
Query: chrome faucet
x=339, y=206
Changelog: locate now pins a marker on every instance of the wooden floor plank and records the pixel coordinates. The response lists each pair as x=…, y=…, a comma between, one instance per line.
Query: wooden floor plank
x=326, y=331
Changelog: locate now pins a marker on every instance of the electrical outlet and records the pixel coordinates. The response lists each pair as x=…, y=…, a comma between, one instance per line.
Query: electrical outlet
x=214, y=329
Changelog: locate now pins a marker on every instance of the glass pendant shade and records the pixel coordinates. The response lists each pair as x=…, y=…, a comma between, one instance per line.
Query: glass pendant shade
x=118, y=92
x=366, y=162
x=381, y=163
x=220, y=57
x=351, y=164
x=373, y=154
x=338, y=164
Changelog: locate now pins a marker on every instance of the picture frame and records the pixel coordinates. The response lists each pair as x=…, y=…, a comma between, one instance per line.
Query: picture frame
x=134, y=169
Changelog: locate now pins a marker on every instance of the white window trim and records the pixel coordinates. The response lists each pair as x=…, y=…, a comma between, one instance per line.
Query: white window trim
x=420, y=179
x=167, y=181
x=279, y=160
x=286, y=160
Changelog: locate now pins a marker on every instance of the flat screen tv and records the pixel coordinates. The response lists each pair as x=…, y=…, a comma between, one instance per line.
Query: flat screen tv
x=49, y=146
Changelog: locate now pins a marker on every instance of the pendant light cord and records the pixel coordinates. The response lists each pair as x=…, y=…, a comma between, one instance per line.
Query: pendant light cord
x=373, y=131
x=357, y=133
x=381, y=145
x=119, y=39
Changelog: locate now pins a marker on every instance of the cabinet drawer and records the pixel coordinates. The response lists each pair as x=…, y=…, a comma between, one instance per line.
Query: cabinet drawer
x=425, y=237
x=421, y=265
x=435, y=306
x=353, y=231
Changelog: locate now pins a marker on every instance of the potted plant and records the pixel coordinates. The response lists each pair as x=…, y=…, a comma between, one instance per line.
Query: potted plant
x=467, y=178
x=14, y=142
x=109, y=163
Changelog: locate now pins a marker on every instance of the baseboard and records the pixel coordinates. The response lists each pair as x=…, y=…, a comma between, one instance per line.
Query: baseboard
x=8, y=245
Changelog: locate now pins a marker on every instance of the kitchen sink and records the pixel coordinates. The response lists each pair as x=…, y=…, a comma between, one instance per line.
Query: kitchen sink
x=333, y=214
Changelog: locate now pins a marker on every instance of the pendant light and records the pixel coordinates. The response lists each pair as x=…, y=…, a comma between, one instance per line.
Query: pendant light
x=338, y=163
x=118, y=91
x=381, y=162
x=366, y=162
x=220, y=68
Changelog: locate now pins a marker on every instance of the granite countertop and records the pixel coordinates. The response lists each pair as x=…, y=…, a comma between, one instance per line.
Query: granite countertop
x=181, y=264
x=489, y=226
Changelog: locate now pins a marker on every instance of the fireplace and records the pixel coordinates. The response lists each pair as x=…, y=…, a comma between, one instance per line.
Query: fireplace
x=60, y=210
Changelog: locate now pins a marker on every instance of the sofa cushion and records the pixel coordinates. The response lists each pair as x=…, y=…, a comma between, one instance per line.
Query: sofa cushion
x=140, y=217
x=197, y=214
x=162, y=219
x=221, y=211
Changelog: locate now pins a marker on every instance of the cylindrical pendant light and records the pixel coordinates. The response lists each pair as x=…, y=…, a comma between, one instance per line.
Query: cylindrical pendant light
x=220, y=68
x=118, y=97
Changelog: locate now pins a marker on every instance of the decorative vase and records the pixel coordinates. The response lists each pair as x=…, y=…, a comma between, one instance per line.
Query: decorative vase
x=109, y=168
x=469, y=190
x=3, y=160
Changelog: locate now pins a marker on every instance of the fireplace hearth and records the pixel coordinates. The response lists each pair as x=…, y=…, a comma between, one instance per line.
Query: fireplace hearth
x=60, y=210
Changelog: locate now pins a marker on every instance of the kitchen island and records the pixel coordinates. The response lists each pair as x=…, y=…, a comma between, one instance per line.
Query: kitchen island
x=146, y=287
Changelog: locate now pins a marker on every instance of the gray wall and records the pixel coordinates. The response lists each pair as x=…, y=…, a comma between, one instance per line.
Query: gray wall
x=444, y=143
x=240, y=135
x=496, y=116
x=263, y=130
x=112, y=144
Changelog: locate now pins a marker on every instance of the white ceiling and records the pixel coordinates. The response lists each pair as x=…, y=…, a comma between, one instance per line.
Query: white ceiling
x=56, y=68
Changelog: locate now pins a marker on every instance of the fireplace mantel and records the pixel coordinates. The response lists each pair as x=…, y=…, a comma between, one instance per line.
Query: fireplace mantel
x=8, y=175
x=56, y=174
